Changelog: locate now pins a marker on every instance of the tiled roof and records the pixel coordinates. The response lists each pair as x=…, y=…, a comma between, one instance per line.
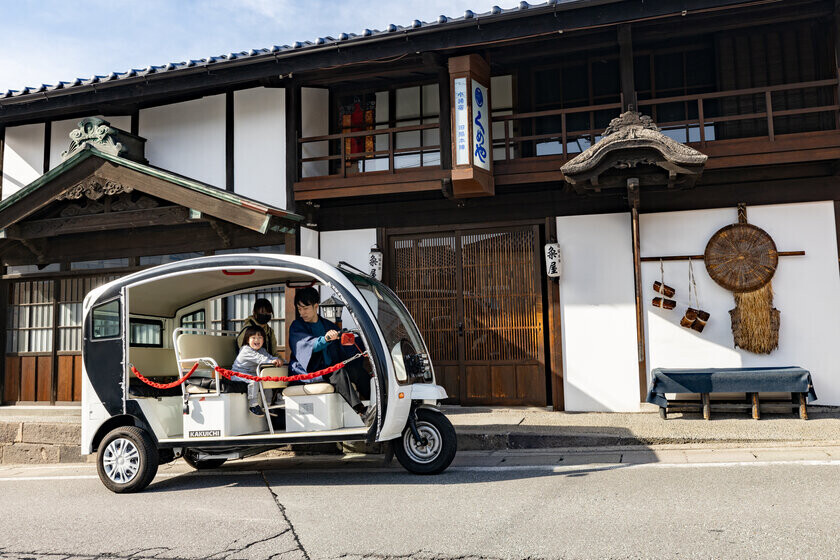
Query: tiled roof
x=255, y=55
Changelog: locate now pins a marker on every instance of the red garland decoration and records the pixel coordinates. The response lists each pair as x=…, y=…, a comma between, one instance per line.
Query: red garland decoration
x=164, y=385
x=228, y=374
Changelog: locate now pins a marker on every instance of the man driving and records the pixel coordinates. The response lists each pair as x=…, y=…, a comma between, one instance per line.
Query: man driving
x=314, y=343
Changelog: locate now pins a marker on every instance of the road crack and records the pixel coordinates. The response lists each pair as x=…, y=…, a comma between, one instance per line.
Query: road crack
x=285, y=516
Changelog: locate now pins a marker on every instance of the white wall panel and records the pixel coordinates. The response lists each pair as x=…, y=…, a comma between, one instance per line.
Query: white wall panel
x=350, y=246
x=23, y=157
x=315, y=121
x=807, y=292
x=188, y=138
x=259, y=145
x=60, y=134
x=308, y=242
x=600, y=363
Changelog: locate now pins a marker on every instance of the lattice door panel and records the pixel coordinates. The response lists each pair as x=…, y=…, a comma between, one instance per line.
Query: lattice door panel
x=476, y=296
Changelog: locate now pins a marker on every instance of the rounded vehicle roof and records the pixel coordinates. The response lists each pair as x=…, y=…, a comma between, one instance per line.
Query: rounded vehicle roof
x=162, y=290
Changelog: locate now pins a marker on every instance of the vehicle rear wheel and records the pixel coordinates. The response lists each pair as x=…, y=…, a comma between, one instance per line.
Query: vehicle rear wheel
x=191, y=459
x=433, y=456
x=127, y=460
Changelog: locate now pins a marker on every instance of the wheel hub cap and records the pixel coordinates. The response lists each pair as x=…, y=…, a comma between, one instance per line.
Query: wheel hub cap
x=417, y=450
x=121, y=460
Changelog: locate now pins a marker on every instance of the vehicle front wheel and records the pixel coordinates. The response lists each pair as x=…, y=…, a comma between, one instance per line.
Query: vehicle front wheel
x=192, y=460
x=127, y=460
x=438, y=450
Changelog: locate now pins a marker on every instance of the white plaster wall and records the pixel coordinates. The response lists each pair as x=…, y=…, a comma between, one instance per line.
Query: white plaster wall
x=187, y=138
x=60, y=134
x=598, y=314
x=259, y=145
x=308, y=242
x=807, y=292
x=23, y=157
x=350, y=246
x=315, y=121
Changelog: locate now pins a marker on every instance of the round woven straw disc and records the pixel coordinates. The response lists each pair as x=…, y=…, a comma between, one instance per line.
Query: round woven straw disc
x=741, y=257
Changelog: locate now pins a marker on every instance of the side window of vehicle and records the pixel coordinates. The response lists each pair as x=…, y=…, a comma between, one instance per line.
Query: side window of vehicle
x=146, y=333
x=105, y=320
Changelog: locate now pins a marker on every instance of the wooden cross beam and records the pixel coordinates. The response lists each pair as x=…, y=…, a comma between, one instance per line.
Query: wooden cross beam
x=701, y=257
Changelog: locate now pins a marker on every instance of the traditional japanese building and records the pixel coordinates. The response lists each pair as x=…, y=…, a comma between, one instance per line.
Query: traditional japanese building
x=440, y=146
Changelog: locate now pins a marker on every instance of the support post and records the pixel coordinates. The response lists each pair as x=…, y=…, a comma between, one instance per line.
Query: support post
x=291, y=248
x=628, y=85
x=633, y=199
x=293, y=127
x=229, y=139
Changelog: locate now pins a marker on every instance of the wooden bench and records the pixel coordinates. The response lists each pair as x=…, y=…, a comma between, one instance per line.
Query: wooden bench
x=750, y=381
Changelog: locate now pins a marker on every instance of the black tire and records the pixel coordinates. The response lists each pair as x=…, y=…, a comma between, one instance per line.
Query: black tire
x=127, y=460
x=442, y=443
x=191, y=460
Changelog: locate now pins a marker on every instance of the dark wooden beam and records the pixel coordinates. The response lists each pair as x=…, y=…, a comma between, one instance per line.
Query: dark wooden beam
x=153, y=217
x=191, y=237
x=229, y=139
x=293, y=128
x=47, y=135
x=628, y=87
x=445, y=119
x=135, y=122
x=2, y=149
x=554, y=334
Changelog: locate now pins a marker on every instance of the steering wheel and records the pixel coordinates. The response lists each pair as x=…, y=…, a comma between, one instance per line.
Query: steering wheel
x=413, y=361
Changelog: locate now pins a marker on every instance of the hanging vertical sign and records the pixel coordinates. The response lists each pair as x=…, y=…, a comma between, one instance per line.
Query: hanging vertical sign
x=552, y=260
x=462, y=139
x=471, y=138
x=481, y=136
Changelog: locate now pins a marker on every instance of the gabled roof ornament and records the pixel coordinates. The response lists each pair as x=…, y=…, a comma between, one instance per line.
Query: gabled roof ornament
x=98, y=133
x=633, y=142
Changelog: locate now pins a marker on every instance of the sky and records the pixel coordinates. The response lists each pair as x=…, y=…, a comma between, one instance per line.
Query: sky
x=47, y=41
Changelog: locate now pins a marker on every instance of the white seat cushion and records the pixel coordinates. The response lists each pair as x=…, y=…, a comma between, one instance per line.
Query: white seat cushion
x=282, y=371
x=308, y=389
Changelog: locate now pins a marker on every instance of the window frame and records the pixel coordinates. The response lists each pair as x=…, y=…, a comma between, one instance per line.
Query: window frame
x=144, y=321
x=93, y=310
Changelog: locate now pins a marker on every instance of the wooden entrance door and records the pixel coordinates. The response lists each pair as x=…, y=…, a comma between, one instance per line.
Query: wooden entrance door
x=476, y=295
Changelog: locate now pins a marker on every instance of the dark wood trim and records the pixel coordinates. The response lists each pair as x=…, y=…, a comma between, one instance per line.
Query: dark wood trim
x=628, y=87
x=445, y=118
x=135, y=122
x=382, y=243
x=293, y=128
x=633, y=198
x=2, y=149
x=4, y=309
x=54, y=373
x=229, y=140
x=291, y=247
x=47, y=142
x=554, y=334
x=153, y=217
x=837, y=227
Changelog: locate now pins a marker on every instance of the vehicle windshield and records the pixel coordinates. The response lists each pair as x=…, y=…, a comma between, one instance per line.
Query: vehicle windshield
x=393, y=317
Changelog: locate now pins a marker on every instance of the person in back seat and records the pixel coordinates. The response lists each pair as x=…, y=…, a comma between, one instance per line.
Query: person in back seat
x=314, y=342
x=261, y=317
x=251, y=355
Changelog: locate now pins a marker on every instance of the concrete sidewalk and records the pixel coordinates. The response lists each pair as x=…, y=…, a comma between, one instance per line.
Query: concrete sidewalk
x=35, y=435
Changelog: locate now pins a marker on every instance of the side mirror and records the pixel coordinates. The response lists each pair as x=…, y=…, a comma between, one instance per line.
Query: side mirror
x=348, y=339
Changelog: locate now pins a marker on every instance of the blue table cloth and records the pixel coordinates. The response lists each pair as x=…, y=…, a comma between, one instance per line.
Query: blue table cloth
x=729, y=380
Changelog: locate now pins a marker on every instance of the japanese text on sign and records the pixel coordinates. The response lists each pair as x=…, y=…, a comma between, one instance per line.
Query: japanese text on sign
x=481, y=132
x=461, y=123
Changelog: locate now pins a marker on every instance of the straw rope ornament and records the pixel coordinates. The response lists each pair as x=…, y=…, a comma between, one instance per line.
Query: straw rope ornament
x=742, y=258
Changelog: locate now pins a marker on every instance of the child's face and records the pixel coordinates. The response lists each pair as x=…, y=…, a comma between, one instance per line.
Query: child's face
x=255, y=341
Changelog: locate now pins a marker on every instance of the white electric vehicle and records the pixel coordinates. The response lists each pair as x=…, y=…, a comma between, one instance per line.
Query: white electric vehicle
x=133, y=426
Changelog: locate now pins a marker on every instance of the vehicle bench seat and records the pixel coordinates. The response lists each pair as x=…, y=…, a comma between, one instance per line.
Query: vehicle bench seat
x=158, y=364
x=221, y=349
x=308, y=389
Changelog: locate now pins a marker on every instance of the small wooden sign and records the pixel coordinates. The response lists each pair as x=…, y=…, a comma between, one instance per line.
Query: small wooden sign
x=553, y=265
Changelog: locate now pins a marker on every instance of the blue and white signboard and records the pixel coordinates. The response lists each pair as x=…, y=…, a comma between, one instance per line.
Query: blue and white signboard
x=462, y=128
x=481, y=127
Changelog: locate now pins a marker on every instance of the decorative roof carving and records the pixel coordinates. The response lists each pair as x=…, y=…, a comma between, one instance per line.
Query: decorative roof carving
x=633, y=140
x=99, y=134
x=94, y=188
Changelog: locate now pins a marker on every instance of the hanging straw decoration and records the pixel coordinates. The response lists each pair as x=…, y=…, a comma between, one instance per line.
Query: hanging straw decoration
x=755, y=322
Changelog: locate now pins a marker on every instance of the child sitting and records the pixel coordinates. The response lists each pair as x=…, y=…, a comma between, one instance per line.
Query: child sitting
x=251, y=355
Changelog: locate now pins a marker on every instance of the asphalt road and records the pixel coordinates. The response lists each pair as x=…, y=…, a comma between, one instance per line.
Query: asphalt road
x=731, y=503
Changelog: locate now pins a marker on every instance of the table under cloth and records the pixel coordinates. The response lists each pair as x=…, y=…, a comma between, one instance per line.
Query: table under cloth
x=786, y=379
